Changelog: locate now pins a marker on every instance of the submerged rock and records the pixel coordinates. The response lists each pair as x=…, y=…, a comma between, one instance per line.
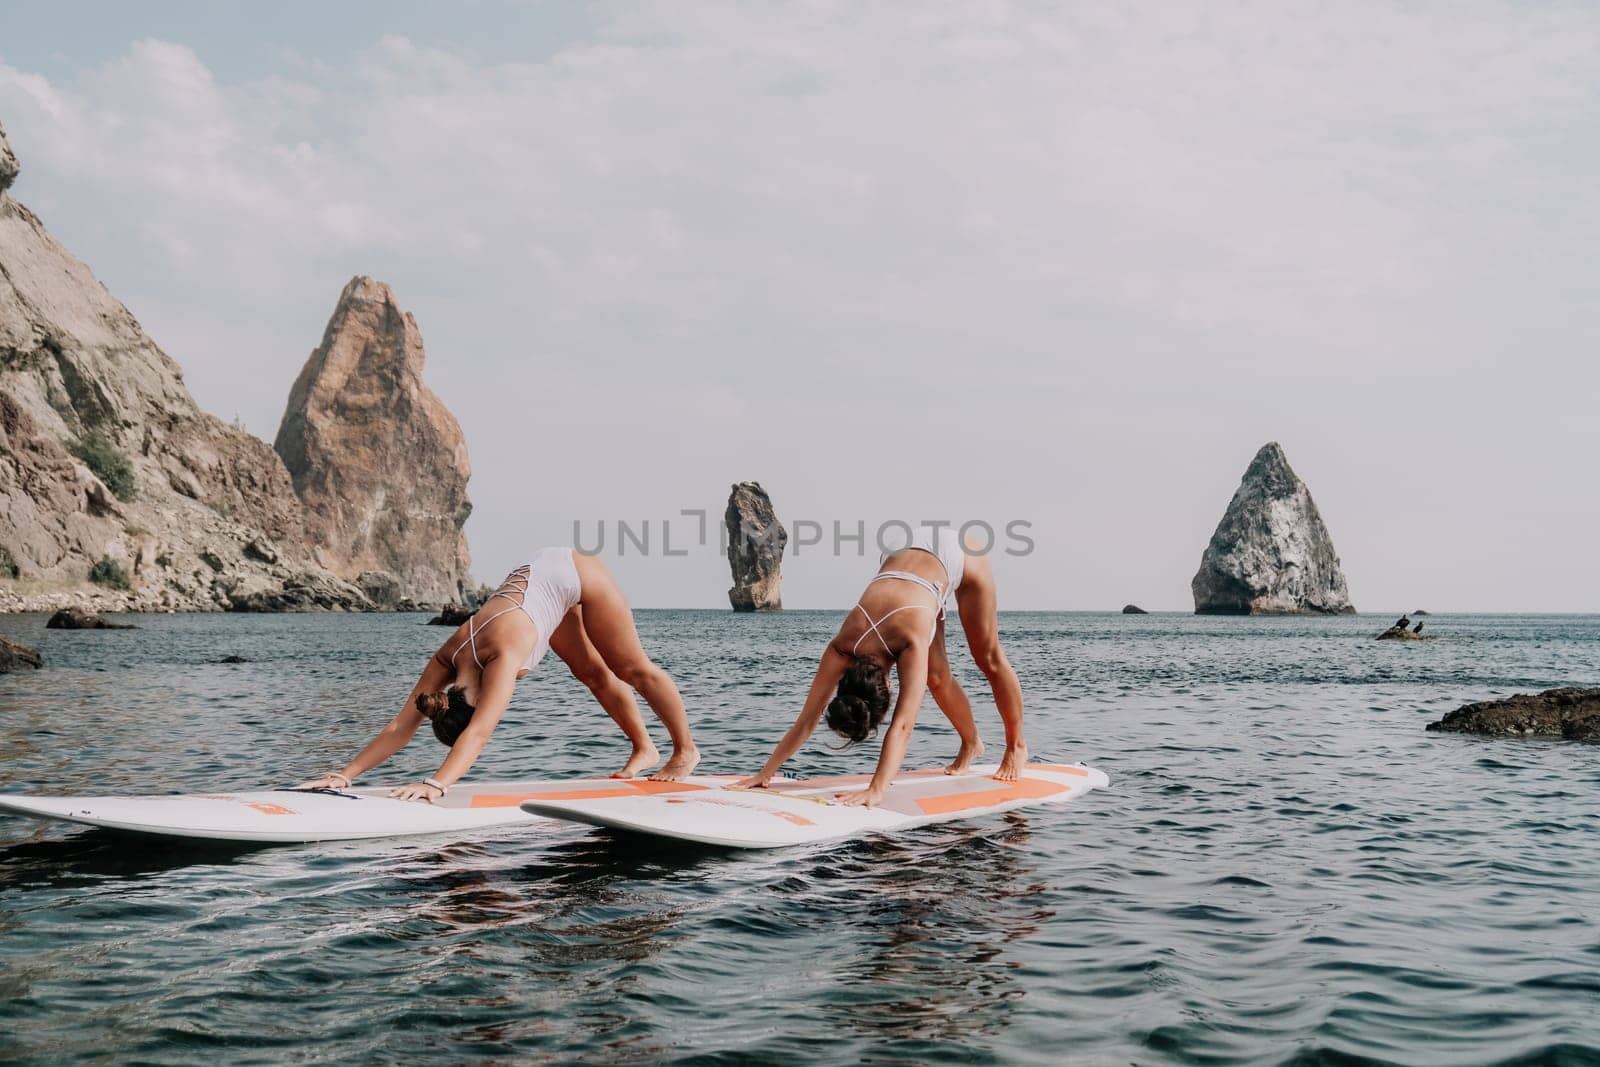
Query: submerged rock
x=1271, y=553
x=79, y=619
x=377, y=459
x=16, y=656
x=1133, y=609
x=756, y=540
x=1570, y=712
x=452, y=615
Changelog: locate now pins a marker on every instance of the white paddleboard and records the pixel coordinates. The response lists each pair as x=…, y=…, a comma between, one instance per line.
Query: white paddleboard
x=802, y=812
x=289, y=816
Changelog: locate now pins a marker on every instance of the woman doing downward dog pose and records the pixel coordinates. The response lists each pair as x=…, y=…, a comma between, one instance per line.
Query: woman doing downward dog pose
x=561, y=600
x=899, y=623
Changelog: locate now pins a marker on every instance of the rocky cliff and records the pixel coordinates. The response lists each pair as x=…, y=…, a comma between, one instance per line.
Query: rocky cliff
x=376, y=458
x=109, y=469
x=756, y=540
x=1271, y=553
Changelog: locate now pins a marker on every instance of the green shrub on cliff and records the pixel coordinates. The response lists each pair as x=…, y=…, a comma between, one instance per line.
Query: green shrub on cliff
x=108, y=572
x=109, y=465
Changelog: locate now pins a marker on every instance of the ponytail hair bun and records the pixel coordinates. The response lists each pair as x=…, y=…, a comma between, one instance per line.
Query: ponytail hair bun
x=448, y=711
x=861, y=702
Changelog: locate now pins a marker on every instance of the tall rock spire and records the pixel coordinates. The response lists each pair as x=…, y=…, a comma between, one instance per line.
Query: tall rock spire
x=377, y=459
x=755, y=549
x=1271, y=553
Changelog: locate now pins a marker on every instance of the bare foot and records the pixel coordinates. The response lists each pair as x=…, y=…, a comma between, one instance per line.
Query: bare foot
x=679, y=767
x=1012, y=762
x=641, y=760
x=970, y=750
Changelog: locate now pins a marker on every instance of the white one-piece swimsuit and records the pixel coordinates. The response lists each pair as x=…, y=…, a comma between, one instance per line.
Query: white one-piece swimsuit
x=943, y=544
x=544, y=589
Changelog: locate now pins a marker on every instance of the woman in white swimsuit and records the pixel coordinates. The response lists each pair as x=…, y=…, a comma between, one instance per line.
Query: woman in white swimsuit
x=899, y=623
x=560, y=600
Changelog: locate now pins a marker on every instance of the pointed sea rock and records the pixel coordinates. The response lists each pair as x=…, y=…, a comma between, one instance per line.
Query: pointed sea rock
x=756, y=540
x=378, y=461
x=1271, y=553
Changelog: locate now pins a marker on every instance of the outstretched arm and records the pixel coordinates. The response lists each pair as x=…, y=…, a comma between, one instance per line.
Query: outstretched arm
x=829, y=671
x=393, y=737
x=494, y=696
x=912, y=669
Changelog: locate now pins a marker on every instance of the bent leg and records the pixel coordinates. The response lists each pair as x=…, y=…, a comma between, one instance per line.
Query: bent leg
x=952, y=700
x=977, y=604
x=609, y=623
x=571, y=642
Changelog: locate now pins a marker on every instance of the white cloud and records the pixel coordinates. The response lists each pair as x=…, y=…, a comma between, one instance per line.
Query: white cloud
x=969, y=244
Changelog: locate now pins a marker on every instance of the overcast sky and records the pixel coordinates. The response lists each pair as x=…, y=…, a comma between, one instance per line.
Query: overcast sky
x=967, y=261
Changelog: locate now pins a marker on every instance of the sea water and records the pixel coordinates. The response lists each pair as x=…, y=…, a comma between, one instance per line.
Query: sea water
x=1286, y=868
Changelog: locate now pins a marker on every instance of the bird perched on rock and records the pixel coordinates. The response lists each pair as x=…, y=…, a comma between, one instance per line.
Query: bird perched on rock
x=1405, y=621
x=1417, y=629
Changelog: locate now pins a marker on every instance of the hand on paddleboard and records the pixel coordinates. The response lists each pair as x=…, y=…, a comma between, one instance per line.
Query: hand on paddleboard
x=327, y=781
x=867, y=798
x=755, y=781
x=421, y=791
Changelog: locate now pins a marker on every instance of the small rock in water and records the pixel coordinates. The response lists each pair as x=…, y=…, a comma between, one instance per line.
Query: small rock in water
x=1400, y=633
x=15, y=656
x=233, y=659
x=1133, y=609
x=1571, y=712
x=79, y=619
x=451, y=615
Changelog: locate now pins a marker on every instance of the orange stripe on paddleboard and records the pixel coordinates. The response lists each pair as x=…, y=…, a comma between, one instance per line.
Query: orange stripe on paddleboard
x=1059, y=768
x=271, y=809
x=621, y=789
x=729, y=802
x=1023, y=789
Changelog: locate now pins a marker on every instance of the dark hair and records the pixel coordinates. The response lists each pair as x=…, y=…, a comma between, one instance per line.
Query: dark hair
x=861, y=702
x=448, y=711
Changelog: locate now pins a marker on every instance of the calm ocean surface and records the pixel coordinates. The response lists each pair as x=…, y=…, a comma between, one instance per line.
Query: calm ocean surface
x=1286, y=868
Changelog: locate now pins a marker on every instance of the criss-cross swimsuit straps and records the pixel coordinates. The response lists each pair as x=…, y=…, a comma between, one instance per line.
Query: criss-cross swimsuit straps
x=516, y=582
x=899, y=576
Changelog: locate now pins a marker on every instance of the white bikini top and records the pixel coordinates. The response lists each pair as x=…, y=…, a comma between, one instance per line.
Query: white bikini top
x=914, y=579
x=516, y=582
x=544, y=590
